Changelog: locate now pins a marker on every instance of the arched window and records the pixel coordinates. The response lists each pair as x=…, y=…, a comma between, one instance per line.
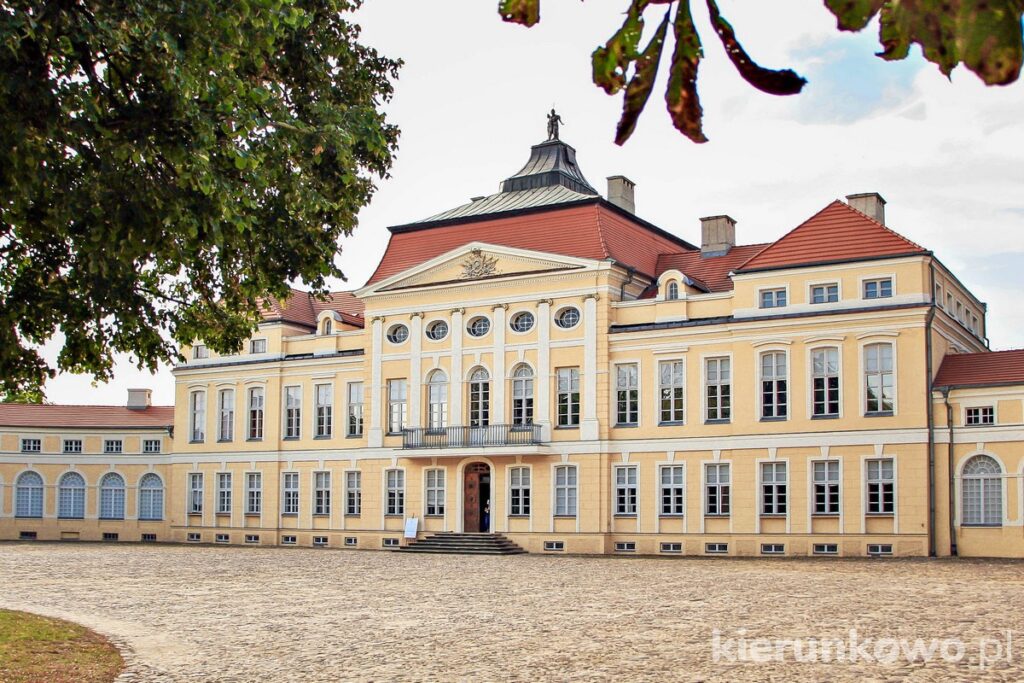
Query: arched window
x=71, y=496
x=28, y=495
x=437, y=400
x=112, y=496
x=982, y=487
x=327, y=327
x=672, y=290
x=522, y=396
x=479, y=398
x=151, y=497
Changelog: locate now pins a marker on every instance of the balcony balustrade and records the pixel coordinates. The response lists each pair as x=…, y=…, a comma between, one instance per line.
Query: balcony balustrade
x=471, y=437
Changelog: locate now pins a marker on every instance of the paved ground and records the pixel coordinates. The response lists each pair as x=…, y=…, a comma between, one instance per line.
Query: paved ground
x=250, y=614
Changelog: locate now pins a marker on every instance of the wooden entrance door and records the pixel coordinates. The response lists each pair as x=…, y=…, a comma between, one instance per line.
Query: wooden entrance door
x=472, y=505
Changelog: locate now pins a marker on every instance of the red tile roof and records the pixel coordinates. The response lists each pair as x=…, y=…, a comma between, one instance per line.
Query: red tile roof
x=589, y=230
x=835, y=234
x=981, y=369
x=302, y=308
x=713, y=271
x=83, y=417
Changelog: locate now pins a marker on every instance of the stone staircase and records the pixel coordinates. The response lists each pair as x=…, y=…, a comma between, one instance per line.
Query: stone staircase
x=464, y=544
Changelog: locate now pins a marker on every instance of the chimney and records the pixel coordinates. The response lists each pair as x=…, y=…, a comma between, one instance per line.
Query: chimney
x=717, y=235
x=869, y=203
x=620, y=192
x=139, y=399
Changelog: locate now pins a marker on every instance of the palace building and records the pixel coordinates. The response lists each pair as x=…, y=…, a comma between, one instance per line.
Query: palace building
x=546, y=365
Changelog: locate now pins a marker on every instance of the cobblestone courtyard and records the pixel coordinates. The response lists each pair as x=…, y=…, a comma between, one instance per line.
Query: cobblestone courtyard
x=250, y=614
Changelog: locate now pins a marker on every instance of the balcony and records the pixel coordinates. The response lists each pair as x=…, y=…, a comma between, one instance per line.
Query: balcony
x=471, y=437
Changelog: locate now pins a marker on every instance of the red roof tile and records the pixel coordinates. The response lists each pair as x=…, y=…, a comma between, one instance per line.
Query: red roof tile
x=713, y=271
x=981, y=369
x=302, y=308
x=82, y=417
x=837, y=233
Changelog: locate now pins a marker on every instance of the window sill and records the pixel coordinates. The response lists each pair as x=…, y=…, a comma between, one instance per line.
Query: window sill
x=437, y=516
x=975, y=426
x=825, y=417
x=223, y=514
x=322, y=514
x=190, y=441
x=775, y=419
x=353, y=436
x=882, y=515
x=625, y=515
x=395, y=515
x=393, y=434
x=562, y=428
x=195, y=514
x=254, y=438
x=225, y=440
x=253, y=514
x=977, y=526
x=353, y=514
x=565, y=516
x=717, y=516
x=723, y=421
x=626, y=425
x=323, y=437
x=672, y=423
x=291, y=438
x=825, y=515
x=289, y=514
x=881, y=413
x=671, y=515
x=519, y=516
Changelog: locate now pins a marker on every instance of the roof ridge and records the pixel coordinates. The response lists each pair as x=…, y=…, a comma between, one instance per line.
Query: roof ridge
x=600, y=231
x=881, y=225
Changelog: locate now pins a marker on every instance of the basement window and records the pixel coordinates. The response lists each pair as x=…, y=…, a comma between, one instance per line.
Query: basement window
x=390, y=542
x=149, y=538
x=773, y=549
x=288, y=540
x=625, y=547
x=671, y=547
x=716, y=548
x=223, y=538
x=351, y=541
x=554, y=546
x=27, y=536
x=320, y=541
x=879, y=549
x=826, y=549
x=194, y=537
x=252, y=538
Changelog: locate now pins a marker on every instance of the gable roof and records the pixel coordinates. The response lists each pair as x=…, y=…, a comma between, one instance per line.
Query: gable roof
x=712, y=271
x=981, y=369
x=836, y=234
x=302, y=308
x=85, y=417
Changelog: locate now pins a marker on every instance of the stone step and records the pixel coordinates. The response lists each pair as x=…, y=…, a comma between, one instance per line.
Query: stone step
x=466, y=543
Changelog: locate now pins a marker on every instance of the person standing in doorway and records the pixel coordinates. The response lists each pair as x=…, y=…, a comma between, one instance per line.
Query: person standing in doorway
x=485, y=521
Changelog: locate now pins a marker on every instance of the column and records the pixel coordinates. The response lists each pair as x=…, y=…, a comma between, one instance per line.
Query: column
x=498, y=377
x=542, y=378
x=375, y=399
x=415, y=370
x=589, y=426
x=457, y=380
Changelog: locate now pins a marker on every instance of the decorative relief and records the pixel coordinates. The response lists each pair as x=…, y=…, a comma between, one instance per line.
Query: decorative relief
x=478, y=265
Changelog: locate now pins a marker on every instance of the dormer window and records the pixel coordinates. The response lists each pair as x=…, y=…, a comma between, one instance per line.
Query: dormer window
x=199, y=352
x=327, y=327
x=672, y=291
x=825, y=294
x=878, y=289
x=773, y=298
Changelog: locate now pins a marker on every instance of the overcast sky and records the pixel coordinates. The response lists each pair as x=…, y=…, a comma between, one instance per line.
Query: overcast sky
x=472, y=98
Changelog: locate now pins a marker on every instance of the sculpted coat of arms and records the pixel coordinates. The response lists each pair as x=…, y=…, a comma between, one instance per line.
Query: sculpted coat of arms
x=478, y=265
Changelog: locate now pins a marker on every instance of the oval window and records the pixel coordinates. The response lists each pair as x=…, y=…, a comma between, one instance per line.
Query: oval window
x=522, y=322
x=568, y=318
x=398, y=334
x=478, y=326
x=437, y=330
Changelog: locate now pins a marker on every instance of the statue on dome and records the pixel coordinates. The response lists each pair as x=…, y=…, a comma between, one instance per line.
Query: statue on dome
x=554, y=120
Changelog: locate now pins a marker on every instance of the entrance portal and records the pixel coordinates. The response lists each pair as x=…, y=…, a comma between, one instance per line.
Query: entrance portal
x=476, y=498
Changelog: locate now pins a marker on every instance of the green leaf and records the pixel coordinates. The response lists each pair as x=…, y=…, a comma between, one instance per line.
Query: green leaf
x=853, y=15
x=681, y=95
x=611, y=62
x=641, y=84
x=782, y=82
x=526, y=12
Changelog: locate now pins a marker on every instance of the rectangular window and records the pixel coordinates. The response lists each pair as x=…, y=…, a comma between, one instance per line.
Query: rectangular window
x=324, y=410
x=258, y=346
x=252, y=538
x=113, y=446
x=151, y=446
x=881, y=486
x=625, y=546
x=625, y=489
x=826, y=487
x=351, y=541
x=27, y=535
x=223, y=493
x=773, y=488
x=627, y=395
x=290, y=493
x=671, y=391
x=397, y=405
x=110, y=536
x=75, y=446
x=716, y=489
x=878, y=289
x=519, y=491
x=256, y=413
x=984, y=415
x=773, y=298
x=716, y=548
x=197, y=416
x=773, y=549
x=826, y=548
x=195, y=493
x=718, y=389
x=149, y=538
x=435, y=492
x=671, y=547
x=395, y=492
x=222, y=538
x=354, y=425
x=31, y=445
x=825, y=382
x=554, y=546
x=390, y=542
x=825, y=294
x=673, y=488
x=774, y=386
x=565, y=491
x=353, y=493
x=320, y=541
x=193, y=537
x=253, y=493
x=879, y=381
x=568, y=397
x=292, y=412
x=226, y=415
x=289, y=540
x=199, y=352
x=321, y=493
x=878, y=549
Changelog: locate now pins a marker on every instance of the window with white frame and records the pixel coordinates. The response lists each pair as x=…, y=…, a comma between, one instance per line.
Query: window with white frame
x=565, y=491
x=199, y=352
x=825, y=382
x=718, y=389
x=71, y=496
x=879, y=288
x=671, y=391
x=981, y=415
x=321, y=493
x=73, y=446
x=522, y=396
x=226, y=415
x=151, y=497
x=223, y=493
x=673, y=490
x=825, y=293
x=28, y=495
x=253, y=493
x=256, y=413
x=324, y=410
x=826, y=487
x=289, y=493
x=627, y=394
x=258, y=346
x=292, y=412
x=327, y=327
x=397, y=405
x=195, y=493
x=625, y=489
x=151, y=445
x=31, y=445
x=112, y=496
x=355, y=409
x=672, y=290
x=568, y=397
x=879, y=381
x=395, y=484
x=353, y=493
x=197, y=416
x=479, y=398
x=716, y=489
x=773, y=488
x=774, y=386
x=437, y=400
x=113, y=446
x=982, y=492
x=881, y=475
x=773, y=298
x=435, y=492
x=519, y=491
